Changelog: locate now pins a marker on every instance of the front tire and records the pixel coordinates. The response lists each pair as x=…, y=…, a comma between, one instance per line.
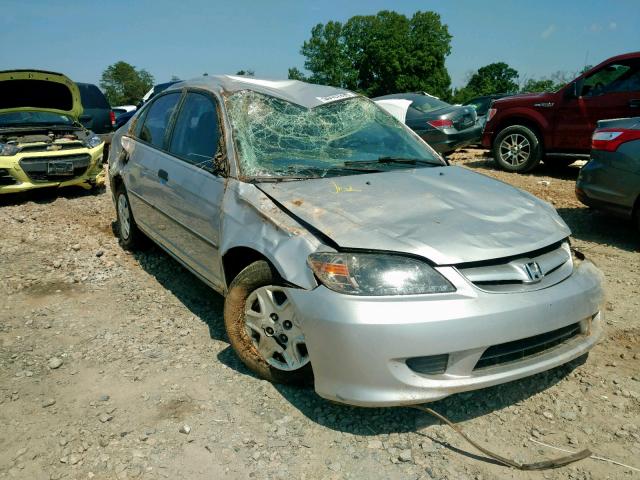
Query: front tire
x=262, y=326
x=517, y=149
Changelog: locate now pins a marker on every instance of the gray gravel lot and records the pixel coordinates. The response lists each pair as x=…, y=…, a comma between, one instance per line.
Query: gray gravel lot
x=116, y=366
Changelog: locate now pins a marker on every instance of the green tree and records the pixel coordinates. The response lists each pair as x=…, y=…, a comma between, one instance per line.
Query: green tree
x=493, y=78
x=295, y=74
x=541, y=85
x=124, y=84
x=326, y=56
x=382, y=53
x=248, y=73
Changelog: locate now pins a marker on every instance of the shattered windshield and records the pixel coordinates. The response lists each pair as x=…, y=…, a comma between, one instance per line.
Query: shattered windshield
x=274, y=137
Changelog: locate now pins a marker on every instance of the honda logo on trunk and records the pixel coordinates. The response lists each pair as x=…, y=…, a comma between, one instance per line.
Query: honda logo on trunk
x=533, y=271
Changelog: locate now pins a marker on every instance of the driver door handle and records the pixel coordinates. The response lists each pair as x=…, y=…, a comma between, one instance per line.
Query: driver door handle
x=635, y=103
x=163, y=175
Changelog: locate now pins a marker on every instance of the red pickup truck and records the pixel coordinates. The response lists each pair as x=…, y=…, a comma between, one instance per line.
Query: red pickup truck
x=556, y=127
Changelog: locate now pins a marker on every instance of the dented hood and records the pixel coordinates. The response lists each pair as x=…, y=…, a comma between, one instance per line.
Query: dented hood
x=35, y=90
x=448, y=215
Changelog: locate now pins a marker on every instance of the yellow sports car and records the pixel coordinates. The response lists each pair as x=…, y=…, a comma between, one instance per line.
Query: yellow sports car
x=42, y=143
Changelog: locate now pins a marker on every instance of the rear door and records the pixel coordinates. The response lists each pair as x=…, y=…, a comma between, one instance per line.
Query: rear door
x=145, y=160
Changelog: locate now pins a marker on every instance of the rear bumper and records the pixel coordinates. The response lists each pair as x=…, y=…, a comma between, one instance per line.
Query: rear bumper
x=359, y=345
x=445, y=142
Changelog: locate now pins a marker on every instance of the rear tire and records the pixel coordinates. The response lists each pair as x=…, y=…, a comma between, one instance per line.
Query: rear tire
x=130, y=237
x=262, y=328
x=517, y=149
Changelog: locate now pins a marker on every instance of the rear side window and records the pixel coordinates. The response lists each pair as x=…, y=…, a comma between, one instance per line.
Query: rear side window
x=157, y=119
x=92, y=97
x=196, y=133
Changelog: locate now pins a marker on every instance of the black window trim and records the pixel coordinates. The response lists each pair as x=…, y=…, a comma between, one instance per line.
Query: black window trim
x=221, y=143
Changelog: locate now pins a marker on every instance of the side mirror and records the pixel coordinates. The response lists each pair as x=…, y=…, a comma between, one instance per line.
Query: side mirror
x=577, y=88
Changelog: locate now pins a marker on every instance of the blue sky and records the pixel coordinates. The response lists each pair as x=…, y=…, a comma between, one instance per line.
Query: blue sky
x=189, y=37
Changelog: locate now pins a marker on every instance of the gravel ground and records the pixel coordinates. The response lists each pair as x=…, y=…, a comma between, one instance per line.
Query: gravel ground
x=115, y=366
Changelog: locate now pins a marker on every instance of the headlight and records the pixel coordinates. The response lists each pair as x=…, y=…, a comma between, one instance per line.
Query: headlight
x=376, y=274
x=8, y=149
x=93, y=141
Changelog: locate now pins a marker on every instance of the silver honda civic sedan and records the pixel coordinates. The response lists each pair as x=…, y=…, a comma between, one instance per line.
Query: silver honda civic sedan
x=348, y=251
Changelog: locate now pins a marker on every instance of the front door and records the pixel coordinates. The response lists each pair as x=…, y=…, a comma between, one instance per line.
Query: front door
x=191, y=186
x=610, y=92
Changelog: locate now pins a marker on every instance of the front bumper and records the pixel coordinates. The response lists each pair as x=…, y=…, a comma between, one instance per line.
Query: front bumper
x=358, y=346
x=15, y=179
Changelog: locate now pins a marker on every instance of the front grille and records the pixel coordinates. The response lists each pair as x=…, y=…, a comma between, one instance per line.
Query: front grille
x=6, y=178
x=38, y=168
x=517, y=350
x=530, y=271
x=45, y=147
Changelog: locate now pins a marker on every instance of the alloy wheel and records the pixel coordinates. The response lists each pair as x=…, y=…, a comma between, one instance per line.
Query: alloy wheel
x=515, y=149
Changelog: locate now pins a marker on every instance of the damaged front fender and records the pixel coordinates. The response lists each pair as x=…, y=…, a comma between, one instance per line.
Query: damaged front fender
x=252, y=220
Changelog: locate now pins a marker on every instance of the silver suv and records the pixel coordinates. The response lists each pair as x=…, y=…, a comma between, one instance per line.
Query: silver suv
x=347, y=250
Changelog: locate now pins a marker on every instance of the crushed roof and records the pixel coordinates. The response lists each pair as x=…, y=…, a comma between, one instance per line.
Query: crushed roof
x=305, y=94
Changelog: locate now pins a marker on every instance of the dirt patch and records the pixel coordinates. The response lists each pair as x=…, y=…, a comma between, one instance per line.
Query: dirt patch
x=143, y=352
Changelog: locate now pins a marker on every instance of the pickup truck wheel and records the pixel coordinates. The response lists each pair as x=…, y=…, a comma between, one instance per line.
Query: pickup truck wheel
x=517, y=149
x=262, y=327
x=129, y=236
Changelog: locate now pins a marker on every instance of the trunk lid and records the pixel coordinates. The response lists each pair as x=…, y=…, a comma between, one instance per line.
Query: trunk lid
x=448, y=215
x=35, y=90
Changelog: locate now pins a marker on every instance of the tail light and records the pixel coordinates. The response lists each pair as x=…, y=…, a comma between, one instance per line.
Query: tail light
x=491, y=113
x=610, y=139
x=441, y=123
x=112, y=116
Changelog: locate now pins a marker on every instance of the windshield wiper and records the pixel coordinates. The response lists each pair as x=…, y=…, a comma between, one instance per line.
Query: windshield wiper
x=282, y=178
x=394, y=160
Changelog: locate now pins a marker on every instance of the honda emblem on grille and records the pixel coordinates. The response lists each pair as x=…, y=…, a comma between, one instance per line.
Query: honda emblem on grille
x=533, y=271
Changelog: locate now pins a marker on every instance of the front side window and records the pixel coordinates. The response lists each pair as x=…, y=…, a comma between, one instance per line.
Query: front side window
x=274, y=137
x=617, y=77
x=157, y=119
x=196, y=133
